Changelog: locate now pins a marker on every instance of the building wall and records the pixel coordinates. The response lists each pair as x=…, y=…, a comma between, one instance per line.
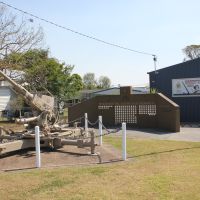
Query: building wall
x=4, y=83
x=137, y=110
x=162, y=81
x=6, y=95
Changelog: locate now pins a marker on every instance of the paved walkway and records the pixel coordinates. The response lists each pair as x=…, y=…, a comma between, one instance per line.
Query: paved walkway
x=185, y=134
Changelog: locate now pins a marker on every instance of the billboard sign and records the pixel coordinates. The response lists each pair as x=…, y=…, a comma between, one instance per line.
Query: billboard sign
x=186, y=87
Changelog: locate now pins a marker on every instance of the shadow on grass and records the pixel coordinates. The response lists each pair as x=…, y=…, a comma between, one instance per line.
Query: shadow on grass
x=162, y=152
x=28, y=154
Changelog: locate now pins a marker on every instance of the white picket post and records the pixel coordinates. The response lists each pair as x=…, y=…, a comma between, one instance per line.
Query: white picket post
x=124, y=141
x=37, y=146
x=100, y=131
x=86, y=124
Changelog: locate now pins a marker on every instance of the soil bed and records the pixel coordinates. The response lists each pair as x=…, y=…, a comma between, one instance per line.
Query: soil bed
x=67, y=155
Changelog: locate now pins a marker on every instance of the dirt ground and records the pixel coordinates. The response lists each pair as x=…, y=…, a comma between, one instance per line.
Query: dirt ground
x=68, y=155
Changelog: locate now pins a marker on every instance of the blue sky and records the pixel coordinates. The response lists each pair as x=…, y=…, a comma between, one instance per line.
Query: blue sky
x=161, y=27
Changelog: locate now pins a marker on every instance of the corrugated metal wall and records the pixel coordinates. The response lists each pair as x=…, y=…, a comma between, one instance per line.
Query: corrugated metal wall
x=162, y=80
x=5, y=95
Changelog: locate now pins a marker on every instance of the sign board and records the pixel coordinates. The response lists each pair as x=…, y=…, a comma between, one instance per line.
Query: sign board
x=186, y=87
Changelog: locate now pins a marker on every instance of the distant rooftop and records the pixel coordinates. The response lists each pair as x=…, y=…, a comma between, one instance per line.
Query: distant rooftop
x=111, y=91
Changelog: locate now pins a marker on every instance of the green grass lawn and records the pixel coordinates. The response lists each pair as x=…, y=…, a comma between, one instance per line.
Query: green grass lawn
x=157, y=170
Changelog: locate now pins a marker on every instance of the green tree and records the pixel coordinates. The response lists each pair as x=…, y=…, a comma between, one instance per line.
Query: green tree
x=192, y=51
x=89, y=81
x=46, y=74
x=104, y=82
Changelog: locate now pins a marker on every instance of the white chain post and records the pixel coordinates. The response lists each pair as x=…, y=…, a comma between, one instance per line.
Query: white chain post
x=86, y=124
x=100, y=131
x=37, y=146
x=124, y=141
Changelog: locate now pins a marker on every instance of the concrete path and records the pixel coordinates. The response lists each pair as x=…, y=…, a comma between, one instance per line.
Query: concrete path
x=186, y=134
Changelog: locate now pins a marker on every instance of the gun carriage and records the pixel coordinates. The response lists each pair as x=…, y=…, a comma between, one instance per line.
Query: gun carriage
x=53, y=134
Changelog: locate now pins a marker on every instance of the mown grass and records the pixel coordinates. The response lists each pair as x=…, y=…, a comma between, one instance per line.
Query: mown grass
x=158, y=170
x=141, y=147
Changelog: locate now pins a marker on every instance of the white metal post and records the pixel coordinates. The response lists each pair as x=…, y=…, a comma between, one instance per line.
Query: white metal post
x=100, y=131
x=86, y=124
x=37, y=146
x=124, y=141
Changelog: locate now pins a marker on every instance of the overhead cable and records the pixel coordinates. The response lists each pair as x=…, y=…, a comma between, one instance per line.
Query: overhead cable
x=76, y=32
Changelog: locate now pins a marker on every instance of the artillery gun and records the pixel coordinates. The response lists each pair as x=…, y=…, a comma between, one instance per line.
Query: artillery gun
x=52, y=135
x=43, y=104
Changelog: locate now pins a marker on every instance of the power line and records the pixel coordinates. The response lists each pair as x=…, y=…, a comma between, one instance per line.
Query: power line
x=77, y=32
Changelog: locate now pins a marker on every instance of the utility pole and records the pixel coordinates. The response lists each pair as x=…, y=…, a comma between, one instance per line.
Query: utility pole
x=155, y=66
x=155, y=62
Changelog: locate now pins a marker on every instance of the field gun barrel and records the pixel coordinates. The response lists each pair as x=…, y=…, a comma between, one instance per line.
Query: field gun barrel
x=40, y=103
x=26, y=120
